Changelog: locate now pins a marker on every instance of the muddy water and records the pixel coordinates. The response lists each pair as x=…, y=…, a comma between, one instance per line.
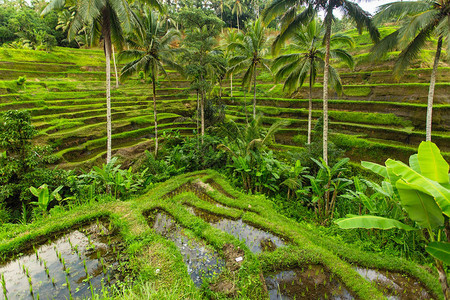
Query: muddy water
x=394, y=285
x=311, y=282
x=256, y=239
x=57, y=270
x=202, y=261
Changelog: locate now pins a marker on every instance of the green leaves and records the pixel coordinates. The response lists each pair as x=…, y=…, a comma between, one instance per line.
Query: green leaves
x=421, y=208
x=432, y=164
x=420, y=183
x=440, y=251
x=369, y=222
x=376, y=168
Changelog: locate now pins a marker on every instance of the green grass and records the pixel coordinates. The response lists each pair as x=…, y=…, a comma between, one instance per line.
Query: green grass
x=149, y=251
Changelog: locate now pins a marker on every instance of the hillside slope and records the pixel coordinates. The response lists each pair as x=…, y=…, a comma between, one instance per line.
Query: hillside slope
x=65, y=93
x=375, y=118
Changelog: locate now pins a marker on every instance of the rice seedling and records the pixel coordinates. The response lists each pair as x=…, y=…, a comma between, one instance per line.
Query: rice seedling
x=5, y=291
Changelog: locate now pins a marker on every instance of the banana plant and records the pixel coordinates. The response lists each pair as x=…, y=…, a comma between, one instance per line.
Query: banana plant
x=294, y=182
x=45, y=197
x=423, y=191
x=326, y=187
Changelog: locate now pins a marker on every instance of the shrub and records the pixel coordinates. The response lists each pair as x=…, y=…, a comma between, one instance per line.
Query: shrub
x=21, y=80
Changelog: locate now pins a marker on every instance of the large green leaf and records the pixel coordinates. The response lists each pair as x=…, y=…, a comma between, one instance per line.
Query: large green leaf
x=368, y=222
x=376, y=168
x=421, y=208
x=432, y=164
x=439, y=250
x=416, y=181
x=414, y=163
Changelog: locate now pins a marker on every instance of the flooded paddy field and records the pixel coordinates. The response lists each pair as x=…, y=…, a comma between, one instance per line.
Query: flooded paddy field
x=202, y=261
x=310, y=282
x=395, y=285
x=256, y=239
x=73, y=266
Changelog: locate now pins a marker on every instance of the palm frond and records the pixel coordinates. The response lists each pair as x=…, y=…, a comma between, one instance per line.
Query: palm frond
x=342, y=39
x=130, y=54
x=400, y=9
x=415, y=23
x=344, y=56
x=361, y=18
x=334, y=80
x=276, y=8
x=412, y=51
x=274, y=129
x=133, y=67
x=284, y=59
x=385, y=45
x=301, y=19
x=53, y=5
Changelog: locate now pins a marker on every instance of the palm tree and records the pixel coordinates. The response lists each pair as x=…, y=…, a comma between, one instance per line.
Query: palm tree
x=202, y=60
x=151, y=52
x=348, y=8
x=251, y=51
x=424, y=19
x=232, y=36
x=238, y=9
x=222, y=5
x=307, y=59
x=109, y=19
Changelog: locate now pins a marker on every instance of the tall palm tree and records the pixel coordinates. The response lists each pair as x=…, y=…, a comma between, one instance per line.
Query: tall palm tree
x=151, y=52
x=232, y=36
x=238, y=9
x=250, y=54
x=109, y=19
x=306, y=59
x=348, y=8
x=424, y=20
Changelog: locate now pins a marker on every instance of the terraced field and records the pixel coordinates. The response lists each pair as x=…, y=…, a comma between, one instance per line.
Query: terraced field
x=195, y=237
x=377, y=117
x=65, y=93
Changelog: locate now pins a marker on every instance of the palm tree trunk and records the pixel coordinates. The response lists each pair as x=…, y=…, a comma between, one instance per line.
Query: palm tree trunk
x=254, y=93
x=198, y=110
x=310, y=109
x=107, y=45
x=115, y=67
x=431, y=90
x=245, y=105
x=325, y=89
x=155, y=116
x=202, y=108
x=237, y=18
x=231, y=85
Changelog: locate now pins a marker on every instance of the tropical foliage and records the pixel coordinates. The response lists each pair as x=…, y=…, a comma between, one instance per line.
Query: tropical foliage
x=305, y=60
x=152, y=54
x=423, y=192
x=421, y=21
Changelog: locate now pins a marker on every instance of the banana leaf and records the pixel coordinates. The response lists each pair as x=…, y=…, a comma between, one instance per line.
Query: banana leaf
x=439, y=250
x=368, y=222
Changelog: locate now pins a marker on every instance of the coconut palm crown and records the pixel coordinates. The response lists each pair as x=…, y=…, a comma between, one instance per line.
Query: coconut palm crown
x=249, y=56
x=151, y=53
x=109, y=20
x=292, y=20
x=421, y=21
x=307, y=57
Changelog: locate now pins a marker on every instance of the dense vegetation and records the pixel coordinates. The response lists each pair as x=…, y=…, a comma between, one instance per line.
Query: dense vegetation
x=316, y=140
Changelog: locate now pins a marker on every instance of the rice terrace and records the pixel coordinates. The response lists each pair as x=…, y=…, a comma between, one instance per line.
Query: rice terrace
x=248, y=149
